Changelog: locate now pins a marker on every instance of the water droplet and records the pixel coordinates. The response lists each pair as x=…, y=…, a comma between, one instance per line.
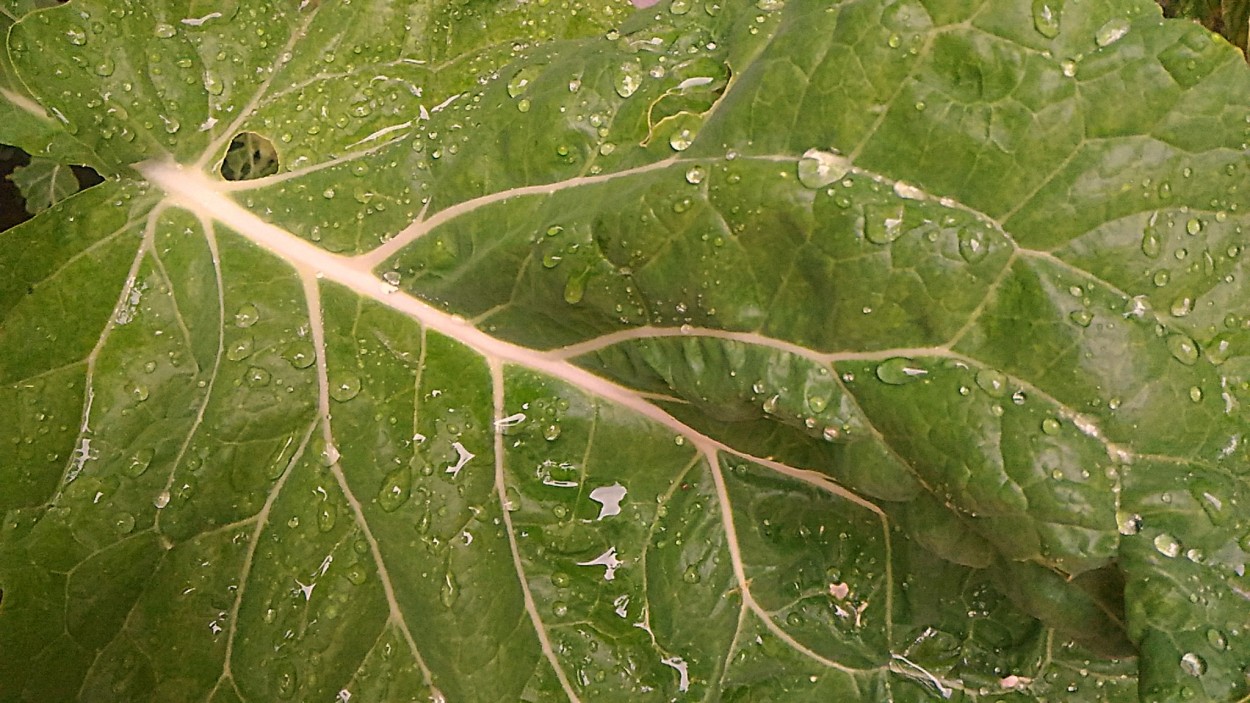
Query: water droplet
x=301, y=354
x=561, y=580
x=450, y=591
x=1193, y=664
x=76, y=36
x=285, y=680
x=560, y=608
x=551, y=432
x=628, y=78
x=1151, y=242
x=1068, y=66
x=992, y=381
x=883, y=223
x=679, y=7
x=1182, y=305
x=396, y=488
x=899, y=370
x=1167, y=545
x=345, y=387
x=691, y=574
x=1111, y=32
x=357, y=575
x=1161, y=278
x=105, y=67
x=818, y=169
x=240, y=348
x=123, y=523
x=1051, y=426
x=139, y=392
x=972, y=245
x=1128, y=524
x=1046, y=17
x=246, y=316
x=161, y=500
x=1082, y=318
x=523, y=105
x=164, y=30
x=1217, y=639
x=139, y=463
x=256, y=377
x=794, y=620
x=327, y=515
x=575, y=287
x=682, y=138
x=1183, y=349
x=1220, y=349
x=1193, y=226
x=1195, y=394
x=521, y=81
x=695, y=175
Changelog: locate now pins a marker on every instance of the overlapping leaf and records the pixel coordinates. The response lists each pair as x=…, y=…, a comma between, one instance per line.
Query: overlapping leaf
x=787, y=351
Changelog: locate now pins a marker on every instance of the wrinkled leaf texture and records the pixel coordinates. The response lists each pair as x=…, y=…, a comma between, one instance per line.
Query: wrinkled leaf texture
x=804, y=351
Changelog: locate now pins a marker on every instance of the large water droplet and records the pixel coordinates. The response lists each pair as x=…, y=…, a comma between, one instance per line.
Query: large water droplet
x=1046, y=17
x=247, y=315
x=628, y=78
x=76, y=36
x=1128, y=523
x=899, y=370
x=883, y=223
x=240, y=348
x=1111, y=32
x=301, y=354
x=1167, y=545
x=139, y=463
x=1183, y=349
x=972, y=245
x=1193, y=664
x=396, y=488
x=344, y=387
x=575, y=287
x=818, y=169
x=695, y=175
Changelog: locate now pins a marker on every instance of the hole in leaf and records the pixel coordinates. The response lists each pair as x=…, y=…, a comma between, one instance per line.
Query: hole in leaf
x=250, y=156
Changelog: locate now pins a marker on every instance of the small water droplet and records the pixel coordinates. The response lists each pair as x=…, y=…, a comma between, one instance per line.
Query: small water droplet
x=1051, y=426
x=1082, y=318
x=1167, y=545
x=164, y=30
x=817, y=169
x=1151, y=242
x=794, y=620
x=551, y=432
x=1195, y=394
x=76, y=36
x=899, y=370
x=691, y=574
x=1046, y=15
x=560, y=608
x=161, y=500
x=992, y=381
x=257, y=377
x=695, y=175
x=521, y=81
x=396, y=488
x=1220, y=349
x=285, y=679
x=682, y=138
x=1182, y=305
x=1217, y=639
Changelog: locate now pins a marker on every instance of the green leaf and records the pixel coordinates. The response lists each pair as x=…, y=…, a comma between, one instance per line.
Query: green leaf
x=551, y=351
x=44, y=183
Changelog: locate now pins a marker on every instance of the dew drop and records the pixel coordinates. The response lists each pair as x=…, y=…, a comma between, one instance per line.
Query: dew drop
x=301, y=354
x=396, y=488
x=682, y=138
x=1167, y=545
x=327, y=515
x=691, y=574
x=1193, y=226
x=1193, y=664
x=1182, y=305
x=1046, y=17
x=1151, y=242
x=161, y=500
x=575, y=287
x=899, y=370
x=139, y=463
x=695, y=175
x=344, y=388
x=1128, y=523
x=76, y=36
x=628, y=78
x=1183, y=349
x=1217, y=639
x=246, y=316
x=992, y=381
x=164, y=30
x=1051, y=426
x=1082, y=318
x=257, y=377
x=285, y=680
x=123, y=523
x=817, y=169
x=1111, y=32
x=240, y=348
x=972, y=245
x=883, y=223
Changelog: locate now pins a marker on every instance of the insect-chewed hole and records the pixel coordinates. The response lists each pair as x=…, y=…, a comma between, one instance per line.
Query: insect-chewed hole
x=250, y=156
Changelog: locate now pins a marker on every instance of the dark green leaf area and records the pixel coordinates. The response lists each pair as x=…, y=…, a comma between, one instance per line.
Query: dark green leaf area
x=738, y=244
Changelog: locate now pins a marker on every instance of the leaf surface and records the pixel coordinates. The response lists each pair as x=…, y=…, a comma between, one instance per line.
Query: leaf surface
x=784, y=351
